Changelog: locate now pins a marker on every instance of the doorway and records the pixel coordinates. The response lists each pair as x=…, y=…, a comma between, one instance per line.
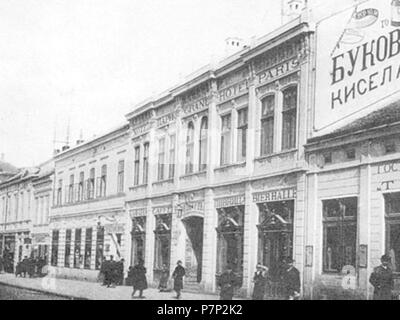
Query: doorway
x=193, y=248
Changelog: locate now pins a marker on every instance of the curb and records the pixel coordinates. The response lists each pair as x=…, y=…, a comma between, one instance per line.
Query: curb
x=69, y=297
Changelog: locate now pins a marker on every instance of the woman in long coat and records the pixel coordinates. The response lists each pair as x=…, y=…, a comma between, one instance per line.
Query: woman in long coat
x=178, y=275
x=139, y=280
x=260, y=282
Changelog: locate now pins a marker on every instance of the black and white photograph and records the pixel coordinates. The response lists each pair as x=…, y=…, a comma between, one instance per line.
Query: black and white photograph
x=200, y=150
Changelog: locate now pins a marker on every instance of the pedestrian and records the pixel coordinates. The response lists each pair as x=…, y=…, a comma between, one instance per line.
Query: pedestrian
x=139, y=280
x=178, y=275
x=291, y=280
x=260, y=282
x=227, y=282
x=382, y=280
x=24, y=265
x=120, y=269
x=108, y=272
x=164, y=279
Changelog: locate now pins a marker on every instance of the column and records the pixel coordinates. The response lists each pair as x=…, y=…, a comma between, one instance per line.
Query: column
x=83, y=245
x=250, y=250
x=209, y=243
x=149, y=243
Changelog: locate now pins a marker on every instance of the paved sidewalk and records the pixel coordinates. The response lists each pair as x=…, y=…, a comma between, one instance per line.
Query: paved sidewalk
x=92, y=291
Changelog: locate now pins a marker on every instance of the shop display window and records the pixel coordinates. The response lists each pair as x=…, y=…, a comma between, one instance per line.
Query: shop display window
x=99, y=247
x=392, y=208
x=88, y=248
x=162, y=241
x=77, y=248
x=340, y=233
x=54, y=247
x=67, y=256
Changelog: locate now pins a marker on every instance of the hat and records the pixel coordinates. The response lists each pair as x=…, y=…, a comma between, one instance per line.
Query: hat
x=289, y=260
x=386, y=258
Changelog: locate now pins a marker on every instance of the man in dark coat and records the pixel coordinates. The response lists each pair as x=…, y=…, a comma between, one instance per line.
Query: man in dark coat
x=139, y=280
x=227, y=281
x=120, y=268
x=178, y=275
x=291, y=280
x=260, y=282
x=382, y=280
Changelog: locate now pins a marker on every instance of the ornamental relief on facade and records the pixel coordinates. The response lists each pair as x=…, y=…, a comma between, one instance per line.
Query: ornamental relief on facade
x=283, y=181
x=229, y=190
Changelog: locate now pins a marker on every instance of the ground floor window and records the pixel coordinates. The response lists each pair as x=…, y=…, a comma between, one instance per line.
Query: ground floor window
x=138, y=240
x=54, y=247
x=88, y=248
x=99, y=247
x=67, y=256
x=392, y=208
x=230, y=239
x=77, y=248
x=340, y=233
x=162, y=241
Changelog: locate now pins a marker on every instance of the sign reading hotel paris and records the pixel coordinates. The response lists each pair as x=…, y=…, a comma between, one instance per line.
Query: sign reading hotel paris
x=361, y=46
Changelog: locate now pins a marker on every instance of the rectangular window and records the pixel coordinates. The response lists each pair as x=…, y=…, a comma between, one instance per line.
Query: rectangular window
x=242, y=135
x=390, y=147
x=161, y=159
x=328, y=157
x=67, y=256
x=340, y=233
x=267, y=125
x=146, y=163
x=136, y=166
x=103, y=181
x=351, y=154
x=203, y=144
x=392, y=208
x=189, y=148
x=88, y=248
x=77, y=248
x=59, y=192
x=172, y=143
x=54, y=247
x=121, y=176
x=99, y=247
x=71, y=189
x=225, y=139
x=289, y=118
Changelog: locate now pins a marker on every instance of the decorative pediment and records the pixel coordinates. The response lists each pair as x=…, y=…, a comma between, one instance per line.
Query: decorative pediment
x=138, y=225
x=275, y=222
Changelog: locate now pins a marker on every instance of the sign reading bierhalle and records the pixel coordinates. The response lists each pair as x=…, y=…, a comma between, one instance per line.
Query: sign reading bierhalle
x=358, y=60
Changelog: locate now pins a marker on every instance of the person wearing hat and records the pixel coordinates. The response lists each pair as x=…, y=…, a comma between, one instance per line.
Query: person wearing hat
x=227, y=281
x=260, y=280
x=382, y=280
x=291, y=280
x=178, y=275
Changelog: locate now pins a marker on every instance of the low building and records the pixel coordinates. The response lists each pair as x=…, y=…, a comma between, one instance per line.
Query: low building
x=88, y=220
x=353, y=205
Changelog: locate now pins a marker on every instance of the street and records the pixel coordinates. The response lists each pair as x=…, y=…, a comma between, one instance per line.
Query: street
x=12, y=293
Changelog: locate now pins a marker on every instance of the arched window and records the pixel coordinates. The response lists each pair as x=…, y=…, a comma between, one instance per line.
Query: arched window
x=289, y=118
x=267, y=125
x=189, y=148
x=103, y=181
x=203, y=144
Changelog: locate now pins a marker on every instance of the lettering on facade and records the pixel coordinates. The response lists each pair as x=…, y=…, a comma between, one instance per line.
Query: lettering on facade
x=388, y=169
x=233, y=91
x=164, y=120
x=114, y=228
x=278, y=71
x=134, y=213
x=162, y=210
x=142, y=129
x=230, y=201
x=197, y=106
x=275, y=195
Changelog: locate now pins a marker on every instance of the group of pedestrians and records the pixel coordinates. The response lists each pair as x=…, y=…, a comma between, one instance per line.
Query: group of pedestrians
x=112, y=272
x=137, y=276
x=33, y=267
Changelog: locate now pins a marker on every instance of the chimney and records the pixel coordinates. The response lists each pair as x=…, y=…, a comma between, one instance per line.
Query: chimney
x=79, y=141
x=291, y=9
x=233, y=45
x=56, y=152
x=65, y=148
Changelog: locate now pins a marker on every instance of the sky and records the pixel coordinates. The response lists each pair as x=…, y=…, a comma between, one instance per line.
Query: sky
x=88, y=62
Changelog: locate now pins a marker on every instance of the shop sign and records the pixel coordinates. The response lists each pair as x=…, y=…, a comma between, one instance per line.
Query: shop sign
x=142, y=129
x=275, y=195
x=197, y=106
x=389, y=170
x=42, y=238
x=138, y=212
x=164, y=120
x=358, y=60
x=162, y=210
x=230, y=201
x=114, y=228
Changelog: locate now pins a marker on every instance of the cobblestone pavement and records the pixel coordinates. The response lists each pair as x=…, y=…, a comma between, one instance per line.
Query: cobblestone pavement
x=93, y=291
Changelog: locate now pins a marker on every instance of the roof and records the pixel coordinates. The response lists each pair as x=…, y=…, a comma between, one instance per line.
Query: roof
x=6, y=167
x=383, y=117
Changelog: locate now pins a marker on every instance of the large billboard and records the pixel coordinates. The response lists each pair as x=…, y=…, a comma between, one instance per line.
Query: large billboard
x=358, y=60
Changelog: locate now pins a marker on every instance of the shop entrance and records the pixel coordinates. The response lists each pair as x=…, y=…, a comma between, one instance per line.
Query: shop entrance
x=276, y=242
x=193, y=249
x=9, y=253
